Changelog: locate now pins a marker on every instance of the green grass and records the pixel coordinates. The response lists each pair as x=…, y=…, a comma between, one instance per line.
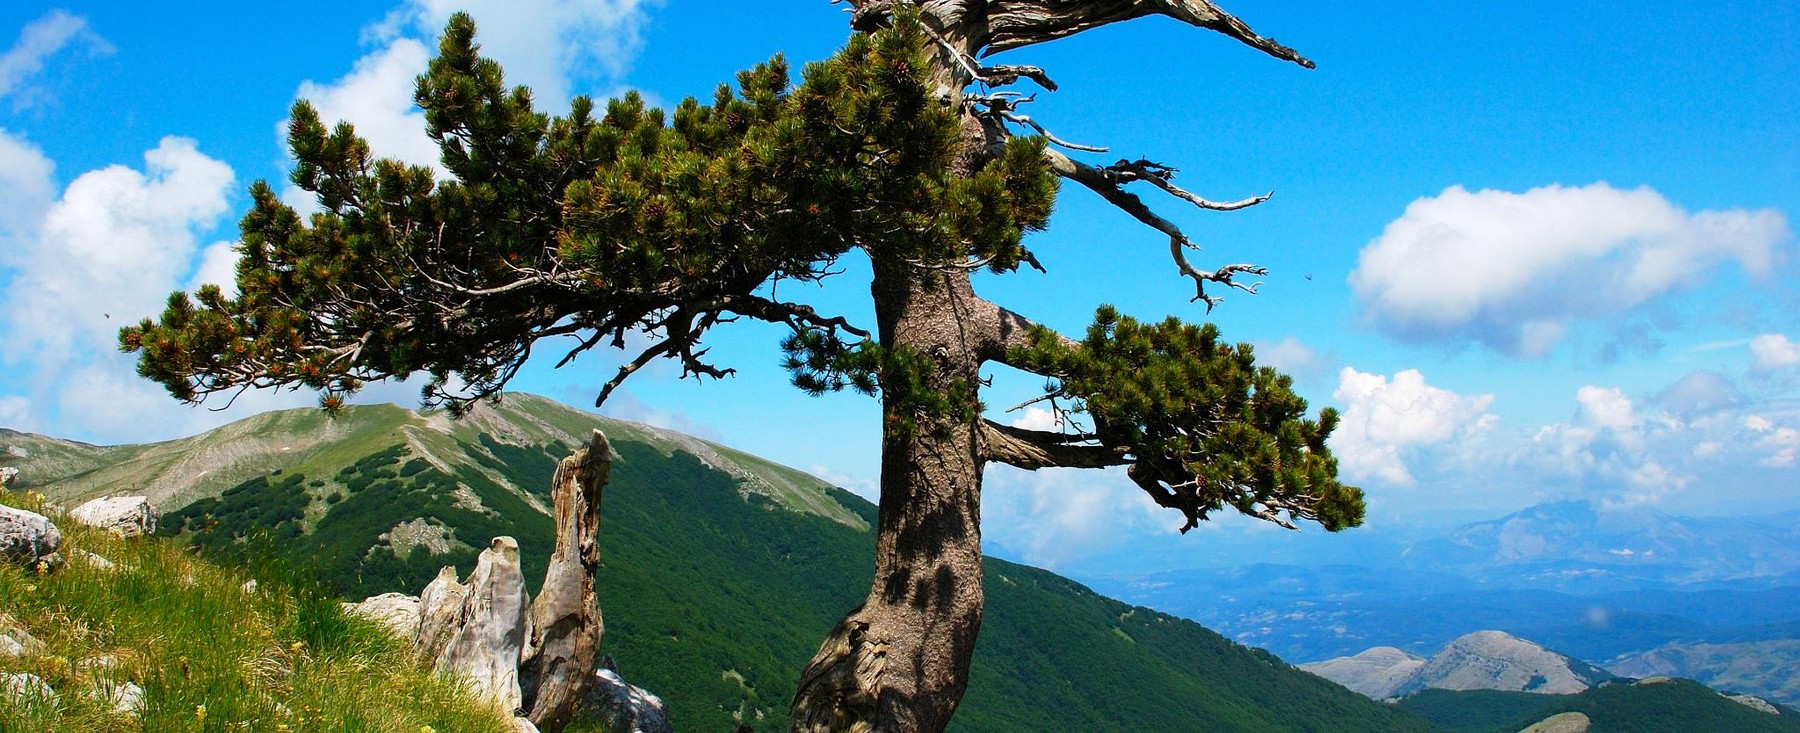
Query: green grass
x=209, y=656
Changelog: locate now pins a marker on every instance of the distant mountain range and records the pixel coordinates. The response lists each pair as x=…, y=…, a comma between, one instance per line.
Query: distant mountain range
x=1578, y=546
x=1606, y=585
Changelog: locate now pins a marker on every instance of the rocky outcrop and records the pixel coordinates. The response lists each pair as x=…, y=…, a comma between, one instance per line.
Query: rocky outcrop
x=1379, y=673
x=125, y=516
x=27, y=537
x=396, y=612
x=489, y=637
x=1754, y=703
x=625, y=708
x=1561, y=723
x=537, y=658
x=8, y=474
x=565, y=619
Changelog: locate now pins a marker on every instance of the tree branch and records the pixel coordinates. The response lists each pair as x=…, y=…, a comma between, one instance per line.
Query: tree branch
x=1035, y=449
x=1109, y=183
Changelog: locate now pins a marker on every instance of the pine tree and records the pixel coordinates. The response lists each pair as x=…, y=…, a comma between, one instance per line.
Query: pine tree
x=593, y=226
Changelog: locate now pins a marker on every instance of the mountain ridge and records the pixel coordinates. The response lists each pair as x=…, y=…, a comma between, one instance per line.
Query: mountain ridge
x=716, y=587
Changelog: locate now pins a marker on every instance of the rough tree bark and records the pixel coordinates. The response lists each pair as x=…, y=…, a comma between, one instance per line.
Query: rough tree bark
x=563, y=647
x=899, y=662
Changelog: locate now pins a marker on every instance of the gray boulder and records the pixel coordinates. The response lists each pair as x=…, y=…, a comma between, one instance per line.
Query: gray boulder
x=125, y=516
x=26, y=537
x=439, y=603
x=25, y=688
x=7, y=475
x=397, y=612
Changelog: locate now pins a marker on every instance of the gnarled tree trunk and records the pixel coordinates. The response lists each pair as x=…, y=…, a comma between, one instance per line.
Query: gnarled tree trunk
x=900, y=661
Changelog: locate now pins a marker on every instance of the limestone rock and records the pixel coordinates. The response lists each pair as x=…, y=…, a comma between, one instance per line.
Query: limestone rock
x=1379, y=673
x=489, y=640
x=92, y=560
x=1754, y=703
x=397, y=612
x=565, y=619
x=249, y=587
x=26, y=536
x=1561, y=723
x=25, y=687
x=626, y=708
x=125, y=516
x=17, y=642
x=126, y=698
x=7, y=475
x=438, y=606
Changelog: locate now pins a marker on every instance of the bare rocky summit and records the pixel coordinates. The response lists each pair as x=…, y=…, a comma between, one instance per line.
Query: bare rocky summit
x=1380, y=672
x=1484, y=660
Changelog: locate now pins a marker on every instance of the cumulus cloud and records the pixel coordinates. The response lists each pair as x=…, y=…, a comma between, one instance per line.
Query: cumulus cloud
x=104, y=253
x=41, y=39
x=1604, y=407
x=1774, y=352
x=1514, y=270
x=1054, y=516
x=1293, y=357
x=27, y=188
x=1385, y=420
x=113, y=247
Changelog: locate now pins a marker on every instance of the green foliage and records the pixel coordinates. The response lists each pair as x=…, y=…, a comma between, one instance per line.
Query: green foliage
x=209, y=656
x=599, y=224
x=1206, y=428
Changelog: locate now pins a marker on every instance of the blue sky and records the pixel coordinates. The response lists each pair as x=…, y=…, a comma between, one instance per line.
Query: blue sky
x=1532, y=250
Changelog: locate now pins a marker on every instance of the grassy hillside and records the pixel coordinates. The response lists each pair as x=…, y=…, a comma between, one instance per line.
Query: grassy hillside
x=207, y=655
x=721, y=572
x=1656, y=705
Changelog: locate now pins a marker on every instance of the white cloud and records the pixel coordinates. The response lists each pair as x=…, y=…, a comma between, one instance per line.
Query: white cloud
x=1054, y=516
x=1385, y=420
x=1293, y=357
x=16, y=414
x=42, y=38
x=27, y=188
x=862, y=486
x=1604, y=407
x=1774, y=352
x=1513, y=270
x=111, y=249
x=104, y=254
x=218, y=266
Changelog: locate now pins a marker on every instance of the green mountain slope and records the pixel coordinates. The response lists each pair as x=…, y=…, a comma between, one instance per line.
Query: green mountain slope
x=1654, y=705
x=721, y=572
